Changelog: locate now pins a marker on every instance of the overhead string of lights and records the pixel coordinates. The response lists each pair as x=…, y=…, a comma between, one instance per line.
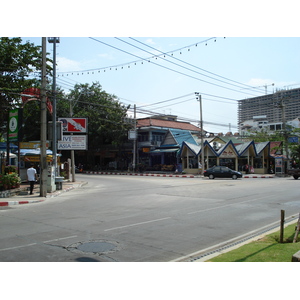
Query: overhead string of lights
x=150, y=60
x=129, y=64
x=214, y=74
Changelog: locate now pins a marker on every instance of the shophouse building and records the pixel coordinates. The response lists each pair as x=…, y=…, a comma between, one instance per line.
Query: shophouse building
x=159, y=140
x=230, y=152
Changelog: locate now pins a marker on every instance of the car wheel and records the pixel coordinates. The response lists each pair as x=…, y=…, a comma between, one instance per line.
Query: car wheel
x=295, y=177
x=211, y=176
x=234, y=176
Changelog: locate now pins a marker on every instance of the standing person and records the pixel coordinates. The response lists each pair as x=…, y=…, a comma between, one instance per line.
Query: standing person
x=199, y=167
x=31, y=177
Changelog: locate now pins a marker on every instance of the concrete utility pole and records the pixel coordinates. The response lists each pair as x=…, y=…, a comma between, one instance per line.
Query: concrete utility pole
x=54, y=40
x=43, y=160
x=198, y=97
x=134, y=141
x=281, y=105
x=72, y=151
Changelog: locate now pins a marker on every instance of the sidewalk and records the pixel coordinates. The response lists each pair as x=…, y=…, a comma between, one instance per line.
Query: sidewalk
x=21, y=195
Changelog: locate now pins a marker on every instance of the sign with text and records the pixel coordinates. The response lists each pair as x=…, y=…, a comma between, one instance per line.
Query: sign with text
x=15, y=125
x=32, y=145
x=72, y=142
x=78, y=125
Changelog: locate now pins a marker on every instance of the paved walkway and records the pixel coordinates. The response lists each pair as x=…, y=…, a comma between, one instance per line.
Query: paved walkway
x=21, y=195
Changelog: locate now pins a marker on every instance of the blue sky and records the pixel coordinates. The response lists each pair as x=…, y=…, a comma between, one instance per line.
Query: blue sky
x=261, y=47
x=222, y=70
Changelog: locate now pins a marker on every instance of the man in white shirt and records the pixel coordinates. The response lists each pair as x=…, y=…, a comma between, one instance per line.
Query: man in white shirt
x=31, y=177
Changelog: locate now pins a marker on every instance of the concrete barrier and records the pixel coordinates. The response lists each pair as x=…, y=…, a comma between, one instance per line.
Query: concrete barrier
x=296, y=257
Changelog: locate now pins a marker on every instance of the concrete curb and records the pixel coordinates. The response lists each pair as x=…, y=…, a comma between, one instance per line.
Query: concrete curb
x=10, y=203
x=139, y=174
x=39, y=199
x=165, y=175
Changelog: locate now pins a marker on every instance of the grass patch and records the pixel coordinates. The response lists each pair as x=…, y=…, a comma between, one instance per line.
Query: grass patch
x=267, y=249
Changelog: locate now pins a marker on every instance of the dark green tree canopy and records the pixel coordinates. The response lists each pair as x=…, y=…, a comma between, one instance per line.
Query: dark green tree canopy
x=20, y=65
x=104, y=112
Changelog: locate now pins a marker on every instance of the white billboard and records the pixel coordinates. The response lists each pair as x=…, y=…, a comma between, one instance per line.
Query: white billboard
x=72, y=142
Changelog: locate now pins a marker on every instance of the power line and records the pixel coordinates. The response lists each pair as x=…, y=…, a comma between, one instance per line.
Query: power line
x=167, y=53
x=165, y=66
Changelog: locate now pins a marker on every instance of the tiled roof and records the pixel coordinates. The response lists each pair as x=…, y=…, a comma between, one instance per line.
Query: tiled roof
x=182, y=136
x=274, y=147
x=166, y=124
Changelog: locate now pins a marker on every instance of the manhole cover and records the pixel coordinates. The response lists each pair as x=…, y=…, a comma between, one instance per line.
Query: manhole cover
x=96, y=247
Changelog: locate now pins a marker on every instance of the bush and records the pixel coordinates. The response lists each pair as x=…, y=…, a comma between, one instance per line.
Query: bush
x=10, y=169
x=9, y=181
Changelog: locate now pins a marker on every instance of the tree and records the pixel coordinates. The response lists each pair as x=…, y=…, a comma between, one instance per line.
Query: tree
x=19, y=64
x=104, y=112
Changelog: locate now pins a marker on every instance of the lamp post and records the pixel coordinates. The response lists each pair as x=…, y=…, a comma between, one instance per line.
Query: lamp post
x=54, y=40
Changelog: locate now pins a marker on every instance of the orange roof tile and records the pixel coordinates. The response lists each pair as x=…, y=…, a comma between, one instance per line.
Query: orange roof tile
x=166, y=124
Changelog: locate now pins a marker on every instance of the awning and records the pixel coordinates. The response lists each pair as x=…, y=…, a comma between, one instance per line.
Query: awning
x=164, y=150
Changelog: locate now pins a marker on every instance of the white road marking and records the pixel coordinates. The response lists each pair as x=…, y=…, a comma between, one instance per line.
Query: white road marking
x=136, y=224
x=64, y=238
x=28, y=245
x=17, y=247
x=208, y=209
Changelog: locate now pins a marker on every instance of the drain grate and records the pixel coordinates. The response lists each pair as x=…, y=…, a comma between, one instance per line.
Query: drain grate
x=96, y=247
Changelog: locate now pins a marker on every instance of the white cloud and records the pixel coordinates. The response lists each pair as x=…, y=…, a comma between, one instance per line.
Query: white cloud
x=66, y=65
x=106, y=55
x=150, y=41
x=259, y=82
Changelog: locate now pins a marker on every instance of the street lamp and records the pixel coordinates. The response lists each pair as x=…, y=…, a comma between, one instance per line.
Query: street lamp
x=54, y=40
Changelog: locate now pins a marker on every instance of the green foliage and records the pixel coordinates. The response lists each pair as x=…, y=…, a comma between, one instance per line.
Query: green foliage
x=18, y=64
x=10, y=169
x=266, y=136
x=104, y=112
x=9, y=181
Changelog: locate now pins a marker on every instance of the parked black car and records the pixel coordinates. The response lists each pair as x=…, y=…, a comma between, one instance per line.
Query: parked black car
x=222, y=172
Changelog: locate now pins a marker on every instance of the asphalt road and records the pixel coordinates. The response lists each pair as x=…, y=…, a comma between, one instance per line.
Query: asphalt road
x=143, y=219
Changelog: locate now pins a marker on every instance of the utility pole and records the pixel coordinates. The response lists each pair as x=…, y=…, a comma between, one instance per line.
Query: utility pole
x=198, y=97
x=72, y=151
x=282, y=105
x=284, y=129
x=43, y=160
x=134, y=141
x=54, y=40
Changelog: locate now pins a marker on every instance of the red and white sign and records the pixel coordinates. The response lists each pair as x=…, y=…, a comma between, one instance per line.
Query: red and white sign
x=74, y=124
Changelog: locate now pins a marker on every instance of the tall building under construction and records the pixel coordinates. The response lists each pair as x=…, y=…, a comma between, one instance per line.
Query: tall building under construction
x=270, y=111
